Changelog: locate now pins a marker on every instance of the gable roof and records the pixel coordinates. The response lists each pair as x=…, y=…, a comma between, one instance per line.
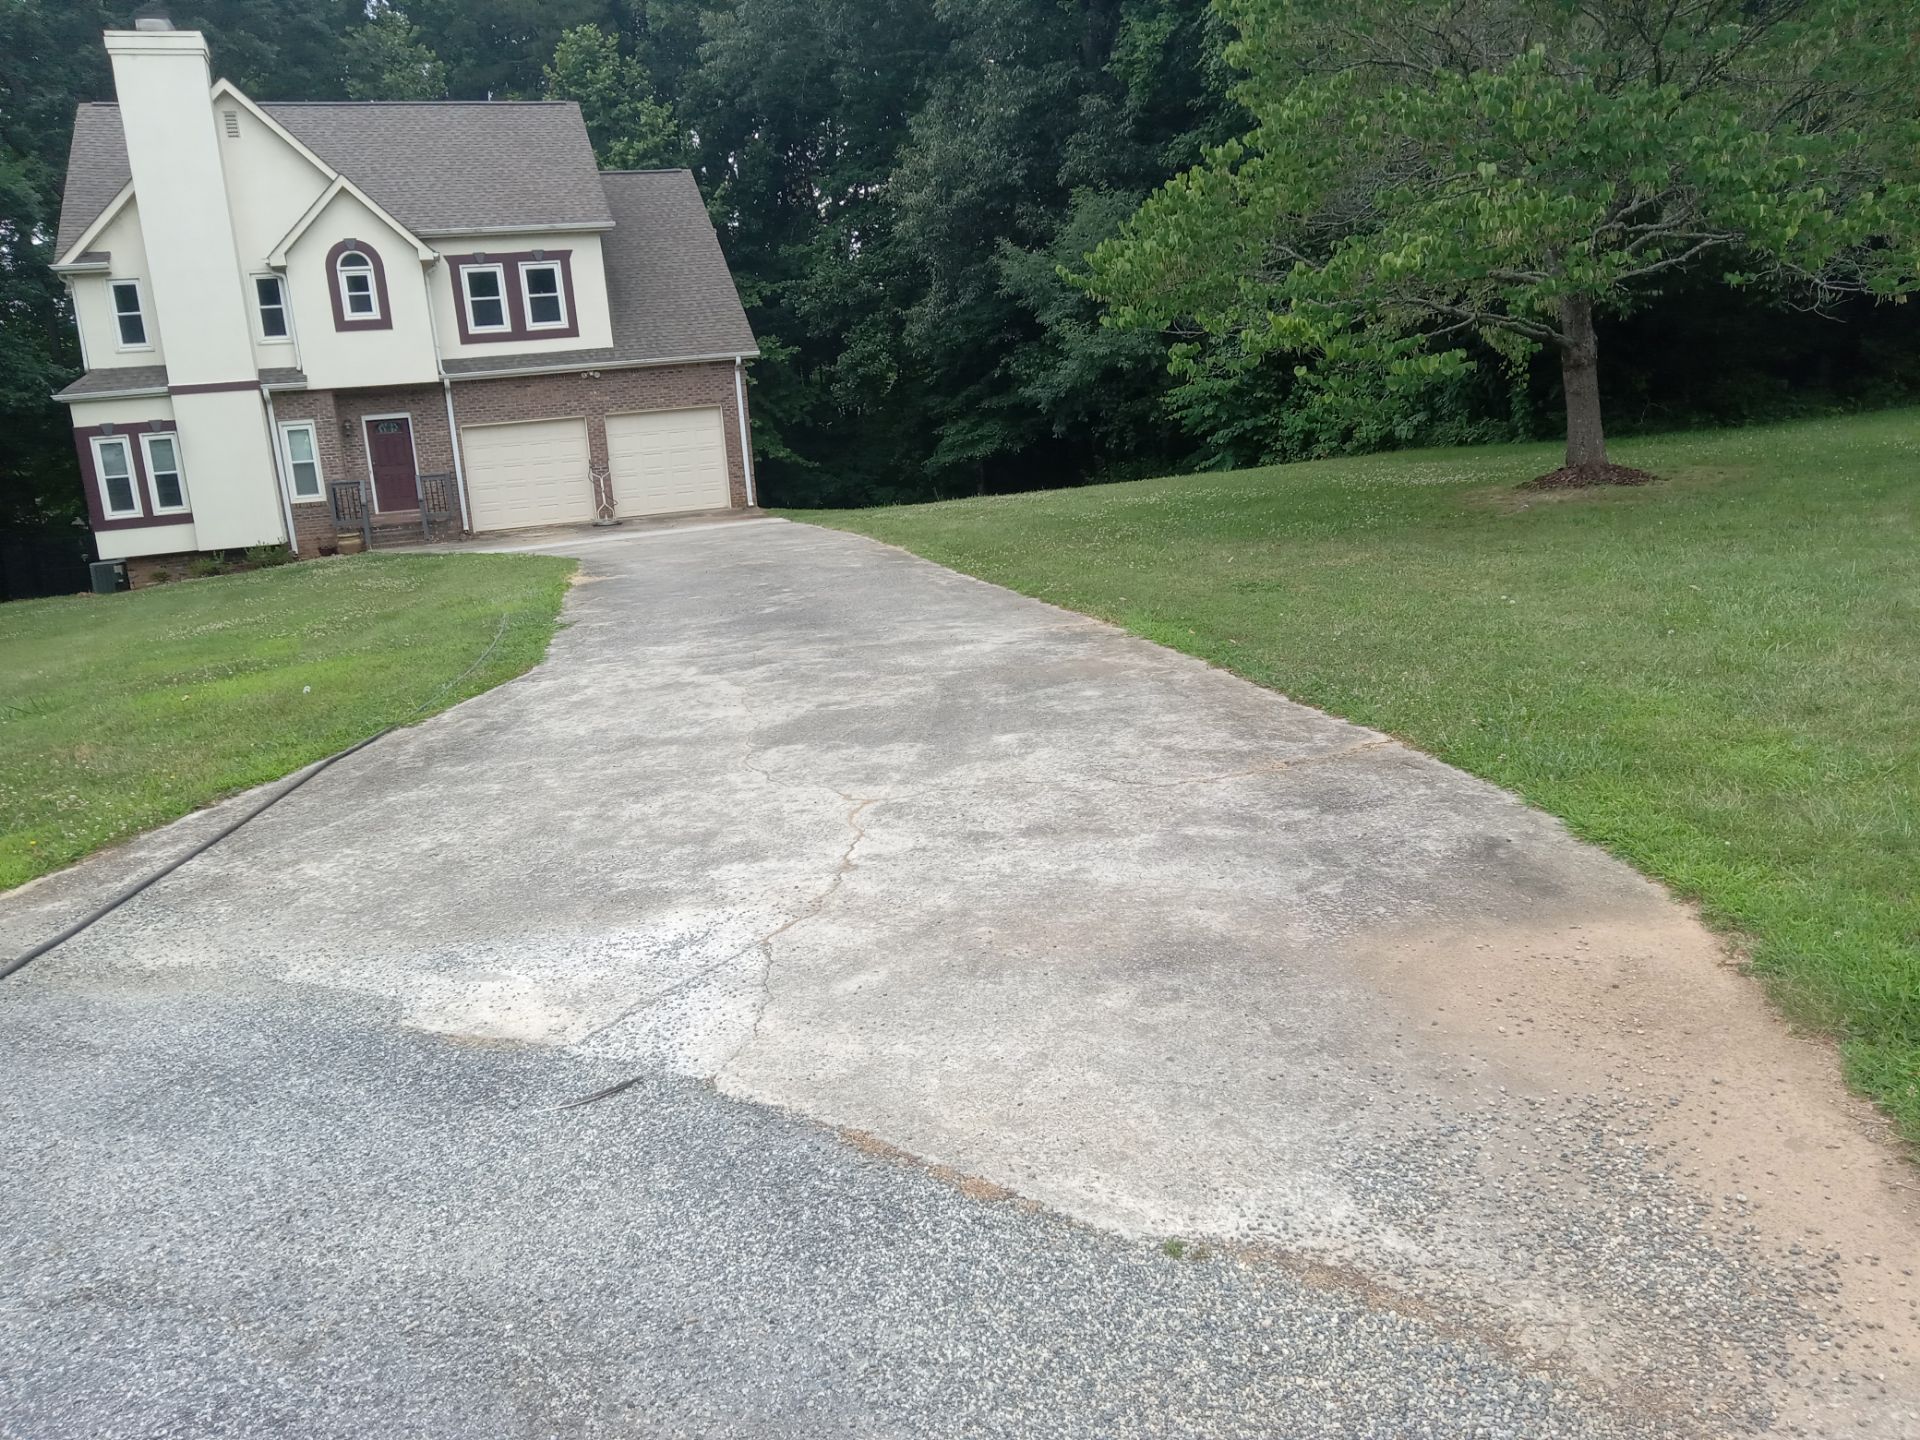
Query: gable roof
x=438, y=167
x=669, y=291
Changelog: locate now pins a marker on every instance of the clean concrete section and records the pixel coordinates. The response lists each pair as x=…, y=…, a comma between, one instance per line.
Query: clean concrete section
x=1077, y=945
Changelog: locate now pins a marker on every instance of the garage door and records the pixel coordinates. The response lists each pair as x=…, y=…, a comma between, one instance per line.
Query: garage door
x=531, y=473
x=668, y=461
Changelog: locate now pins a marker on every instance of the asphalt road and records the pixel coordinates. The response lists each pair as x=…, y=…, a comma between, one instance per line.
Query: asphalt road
x=1031, y=1032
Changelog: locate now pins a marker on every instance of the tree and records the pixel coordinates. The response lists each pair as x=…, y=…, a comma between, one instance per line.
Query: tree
x=628, y=127
x=1423, y=174
x=386, y=58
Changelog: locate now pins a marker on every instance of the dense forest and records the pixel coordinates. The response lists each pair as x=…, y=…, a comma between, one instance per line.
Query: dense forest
x=902, y=188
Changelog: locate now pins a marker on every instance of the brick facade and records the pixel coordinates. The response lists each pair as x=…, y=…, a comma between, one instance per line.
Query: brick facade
x=595, y=395
x=340, y=433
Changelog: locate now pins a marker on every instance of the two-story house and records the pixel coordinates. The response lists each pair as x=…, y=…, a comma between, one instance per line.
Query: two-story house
x=300, y=320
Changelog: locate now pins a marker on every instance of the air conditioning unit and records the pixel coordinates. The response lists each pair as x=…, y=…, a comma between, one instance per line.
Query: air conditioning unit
x=109, y=576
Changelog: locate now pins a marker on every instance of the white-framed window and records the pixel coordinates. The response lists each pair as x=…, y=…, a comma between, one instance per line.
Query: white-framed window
x=484, y=290
x=303, y=461
x=128, y=316
x=166, y=485
x=113, y=468
x=543, y=295
x=358, y=299
x=270, y=302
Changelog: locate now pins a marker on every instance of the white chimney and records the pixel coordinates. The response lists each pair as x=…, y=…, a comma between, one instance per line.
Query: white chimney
x=197, y=288
x=166, y=109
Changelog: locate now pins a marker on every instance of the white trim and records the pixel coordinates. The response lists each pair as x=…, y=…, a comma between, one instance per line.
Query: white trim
x=139, y=309
x=287, y=427
x=90, y=267
x=583, y=367
x=179, y=472
x=100, y=222
x=277, y=257
x=499, y=272
x=228, y=90
x=100, y=478
x=365, y=268
x=465, y=231
x=413, y=442
x=740, y=414
x=526, y=296
x=146, y=394
x=280, y=471
x=285, y=308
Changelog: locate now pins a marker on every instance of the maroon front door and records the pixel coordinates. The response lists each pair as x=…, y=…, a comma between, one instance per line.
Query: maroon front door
x=390, y=447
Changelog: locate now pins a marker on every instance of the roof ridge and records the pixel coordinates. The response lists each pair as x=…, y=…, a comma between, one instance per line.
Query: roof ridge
x=405, y=104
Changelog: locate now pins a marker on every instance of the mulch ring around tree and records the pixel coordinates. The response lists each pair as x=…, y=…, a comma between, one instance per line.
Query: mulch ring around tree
x=1582, y=477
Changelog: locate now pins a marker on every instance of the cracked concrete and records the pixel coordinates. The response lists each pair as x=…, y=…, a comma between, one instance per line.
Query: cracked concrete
x=1075, y=919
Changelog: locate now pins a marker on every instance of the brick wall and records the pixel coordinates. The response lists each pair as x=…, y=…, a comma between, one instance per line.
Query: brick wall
x=313, y=529
x=341, y=436
x=597, y=394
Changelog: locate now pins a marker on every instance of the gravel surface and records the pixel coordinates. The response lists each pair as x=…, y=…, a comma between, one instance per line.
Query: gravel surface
x=272, y=1213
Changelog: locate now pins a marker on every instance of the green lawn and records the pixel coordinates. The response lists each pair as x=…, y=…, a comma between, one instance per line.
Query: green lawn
x=1717, y=677
x=121, y=712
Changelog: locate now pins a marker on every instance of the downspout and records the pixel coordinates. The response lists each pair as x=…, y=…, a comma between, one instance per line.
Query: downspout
x=453, y=428
x=740, y=414
x=459, y=470
x=280, y=470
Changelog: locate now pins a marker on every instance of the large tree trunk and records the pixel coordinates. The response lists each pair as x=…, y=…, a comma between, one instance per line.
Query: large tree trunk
x=1580, y=378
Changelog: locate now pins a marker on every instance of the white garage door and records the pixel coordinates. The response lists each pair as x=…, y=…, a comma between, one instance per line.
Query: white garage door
x=531, y=473
x=668, y=461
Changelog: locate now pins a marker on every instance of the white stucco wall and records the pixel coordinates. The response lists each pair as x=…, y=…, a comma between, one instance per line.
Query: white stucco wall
x=120, y=412
x=270, y=185
x=589, y=293
x=93, y=300
x=336, y=359
x=162, y=84
x=231, y=481
x=146, y=540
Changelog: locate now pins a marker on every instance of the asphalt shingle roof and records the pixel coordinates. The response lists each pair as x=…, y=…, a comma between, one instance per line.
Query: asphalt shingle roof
x=436, y=167
x=116, y=381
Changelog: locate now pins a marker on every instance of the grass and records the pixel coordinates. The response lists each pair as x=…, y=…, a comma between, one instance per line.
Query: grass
x=1717, y=677
x=121, y=712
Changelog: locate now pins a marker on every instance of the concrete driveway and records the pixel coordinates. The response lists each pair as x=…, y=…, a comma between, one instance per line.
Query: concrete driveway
x=1031, y=1032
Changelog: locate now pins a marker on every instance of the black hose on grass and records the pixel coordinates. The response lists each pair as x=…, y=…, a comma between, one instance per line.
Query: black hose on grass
x=20, y=962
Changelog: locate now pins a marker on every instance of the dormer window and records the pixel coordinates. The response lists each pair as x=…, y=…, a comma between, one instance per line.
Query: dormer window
x=546, y=303
x=484, y=288
x=355, y=272
x=524, y=295
x=358, y=284
x=127, y=315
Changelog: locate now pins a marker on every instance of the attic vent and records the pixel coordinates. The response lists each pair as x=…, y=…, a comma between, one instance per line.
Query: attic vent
x=232, y=117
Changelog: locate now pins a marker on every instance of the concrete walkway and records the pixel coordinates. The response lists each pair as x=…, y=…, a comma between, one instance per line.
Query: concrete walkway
x=964, y=953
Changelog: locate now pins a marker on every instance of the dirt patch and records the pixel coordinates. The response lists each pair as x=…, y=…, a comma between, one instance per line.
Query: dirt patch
x=1753, y=1149
x=1586, y=477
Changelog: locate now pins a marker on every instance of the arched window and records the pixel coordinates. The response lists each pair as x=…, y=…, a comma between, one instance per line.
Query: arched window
x=359, y=284
x=356, y=286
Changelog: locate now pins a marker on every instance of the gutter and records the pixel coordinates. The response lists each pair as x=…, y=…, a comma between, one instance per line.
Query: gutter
x=66, y=399
x=446, y=390
x=579, y=367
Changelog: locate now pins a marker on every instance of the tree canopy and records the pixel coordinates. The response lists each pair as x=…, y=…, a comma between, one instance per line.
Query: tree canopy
x=901, y=186
x=1426, y=171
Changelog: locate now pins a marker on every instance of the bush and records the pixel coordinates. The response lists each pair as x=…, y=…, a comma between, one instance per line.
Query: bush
x=265, y=557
